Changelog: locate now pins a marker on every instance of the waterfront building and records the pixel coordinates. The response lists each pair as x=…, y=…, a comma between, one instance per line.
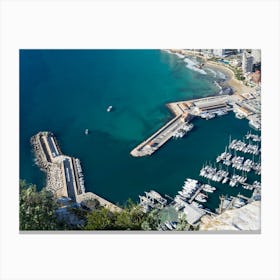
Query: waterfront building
x=219, y=52
x=256, y=54
x=193, y=214
x=224, y=52
x=242, y=111
x=247, y=62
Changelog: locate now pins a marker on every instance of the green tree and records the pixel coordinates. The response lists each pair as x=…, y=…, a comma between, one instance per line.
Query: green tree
x=101, y=219
x=151, y=220
x=37, y=209
x=182, y=223
x=129, y=219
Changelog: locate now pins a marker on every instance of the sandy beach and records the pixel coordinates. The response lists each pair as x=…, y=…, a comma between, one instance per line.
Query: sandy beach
x=235, y=84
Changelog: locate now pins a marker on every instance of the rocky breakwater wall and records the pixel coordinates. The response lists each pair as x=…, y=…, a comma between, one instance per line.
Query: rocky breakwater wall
x=39, y=148
x=50, y=163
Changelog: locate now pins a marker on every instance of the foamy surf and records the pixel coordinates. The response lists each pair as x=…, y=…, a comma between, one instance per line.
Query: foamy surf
x=211, y=71
x=168, y=51
x=180, y=55
x=221, y=75
x=193, y=66
x=216, y=73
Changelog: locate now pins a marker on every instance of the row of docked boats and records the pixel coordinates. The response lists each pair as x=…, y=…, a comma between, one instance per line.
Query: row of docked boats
x=254, y=137
x=225, y=158
x=214, y=174
x=182, y=131
x=236, y=179
x=189, y=188
x=207, y=115
x=80, y=175
x=210, y=115
x=255, y=186
x=190, y=192
x=239, y=162
x=241, y=146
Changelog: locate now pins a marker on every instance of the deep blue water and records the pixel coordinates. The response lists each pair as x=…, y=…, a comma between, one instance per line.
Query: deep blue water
x=67, y=91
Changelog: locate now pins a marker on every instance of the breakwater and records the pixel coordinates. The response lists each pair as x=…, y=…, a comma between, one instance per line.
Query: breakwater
x=184, y=111
x=64, y=173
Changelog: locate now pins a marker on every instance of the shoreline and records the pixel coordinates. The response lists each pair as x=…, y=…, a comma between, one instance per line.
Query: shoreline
x=237, y=86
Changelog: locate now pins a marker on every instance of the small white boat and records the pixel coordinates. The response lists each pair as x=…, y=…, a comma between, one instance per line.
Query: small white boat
x=86, y=132
x=109, y=109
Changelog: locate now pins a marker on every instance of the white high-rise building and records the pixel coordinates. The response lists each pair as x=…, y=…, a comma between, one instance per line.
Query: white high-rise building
x=247, y=62
x=219, y=52
x=256, y=55
x=223, y=52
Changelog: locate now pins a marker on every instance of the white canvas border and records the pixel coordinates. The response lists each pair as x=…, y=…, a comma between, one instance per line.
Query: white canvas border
x=158, y=24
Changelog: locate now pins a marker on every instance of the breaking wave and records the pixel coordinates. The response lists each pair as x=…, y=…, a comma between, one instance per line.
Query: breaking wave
x=194, y=66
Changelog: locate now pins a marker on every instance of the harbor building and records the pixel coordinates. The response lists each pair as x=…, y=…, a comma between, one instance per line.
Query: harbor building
x=242, y=111
x=193, y=214
x=211, y=104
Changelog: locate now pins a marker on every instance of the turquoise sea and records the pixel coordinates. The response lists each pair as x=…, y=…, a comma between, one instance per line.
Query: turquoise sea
x=67, y=91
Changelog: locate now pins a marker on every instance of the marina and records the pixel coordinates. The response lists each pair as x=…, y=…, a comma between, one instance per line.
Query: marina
x=237, y=163
x=194, y=194
x=111, y=137
x=206, y=108
x=242, y=162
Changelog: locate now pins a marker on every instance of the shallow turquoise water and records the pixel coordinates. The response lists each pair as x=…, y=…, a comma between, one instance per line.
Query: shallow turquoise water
x=67, y=91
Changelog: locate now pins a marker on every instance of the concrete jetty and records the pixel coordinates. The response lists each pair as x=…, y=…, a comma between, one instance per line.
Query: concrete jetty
x=103, y=202
x=160, y=137
x=64, y=173
x=184, y=111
